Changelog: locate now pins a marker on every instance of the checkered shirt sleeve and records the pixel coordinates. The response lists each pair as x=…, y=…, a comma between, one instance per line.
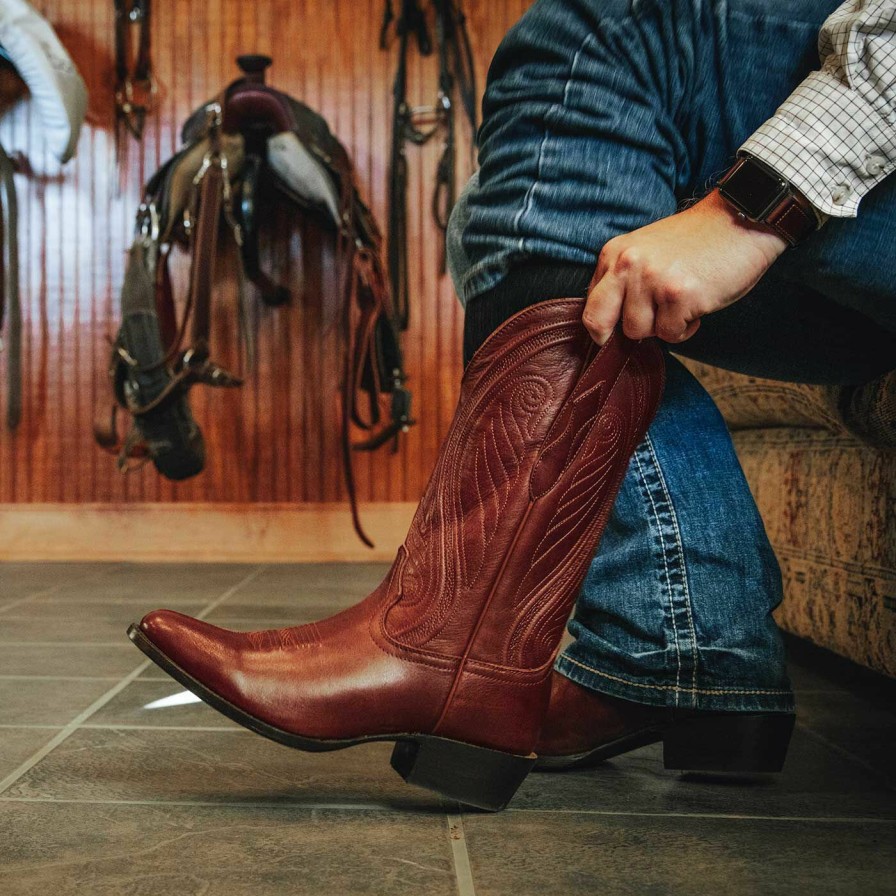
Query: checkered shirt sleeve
x=834, y=138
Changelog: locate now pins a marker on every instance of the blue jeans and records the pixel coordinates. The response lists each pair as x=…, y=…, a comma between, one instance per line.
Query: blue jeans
x=601, y=116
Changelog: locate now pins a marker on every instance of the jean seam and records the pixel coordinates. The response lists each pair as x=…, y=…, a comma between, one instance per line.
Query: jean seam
x=668, y=583
x=674, y=688
x=530, y=193
x=686, y=591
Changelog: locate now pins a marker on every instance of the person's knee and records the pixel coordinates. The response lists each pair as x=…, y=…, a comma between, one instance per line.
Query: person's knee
x=532, y=67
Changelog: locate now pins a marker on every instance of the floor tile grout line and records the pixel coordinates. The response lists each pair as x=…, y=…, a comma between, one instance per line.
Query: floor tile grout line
x=70, y=728
x=857, y=760
x=112, y=726
x=45, y=592
x=250, y=577
x=256, y=571
x=453, y=818
x=463, y=872
x=100, y=702
x=28, y=597
x=104, y=644
x=61, y=678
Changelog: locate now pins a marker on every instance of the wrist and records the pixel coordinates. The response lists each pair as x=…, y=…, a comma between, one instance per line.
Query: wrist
x=763, y=236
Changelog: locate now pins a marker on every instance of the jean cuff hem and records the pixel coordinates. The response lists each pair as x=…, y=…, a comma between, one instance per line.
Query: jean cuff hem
x=717, y=697
x=481, y=278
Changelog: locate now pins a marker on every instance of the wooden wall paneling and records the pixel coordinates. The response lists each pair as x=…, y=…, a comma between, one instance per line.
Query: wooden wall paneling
x=254, y=533
x=276, y=440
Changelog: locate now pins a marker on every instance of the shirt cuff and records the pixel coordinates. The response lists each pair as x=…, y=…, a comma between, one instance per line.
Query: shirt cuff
x=829, y=142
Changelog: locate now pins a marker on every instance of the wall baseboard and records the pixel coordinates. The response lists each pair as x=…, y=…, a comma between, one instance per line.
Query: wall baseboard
x=251, y=533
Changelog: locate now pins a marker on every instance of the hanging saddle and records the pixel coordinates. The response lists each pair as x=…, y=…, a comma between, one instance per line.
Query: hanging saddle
x=237, y=145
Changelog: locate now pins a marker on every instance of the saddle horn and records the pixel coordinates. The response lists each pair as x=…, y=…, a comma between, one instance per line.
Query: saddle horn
x=253, y=66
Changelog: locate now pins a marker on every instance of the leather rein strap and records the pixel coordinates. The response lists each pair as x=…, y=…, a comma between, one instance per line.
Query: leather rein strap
x=211, y=198
x=418, y=125
x=135, y=87
x=187, y=366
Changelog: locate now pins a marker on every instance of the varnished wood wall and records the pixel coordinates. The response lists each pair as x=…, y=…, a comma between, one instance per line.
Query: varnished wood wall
x=276, y=439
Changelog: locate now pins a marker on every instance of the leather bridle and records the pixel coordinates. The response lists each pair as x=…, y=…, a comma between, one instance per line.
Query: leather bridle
x=135, y=86
x=418, y=125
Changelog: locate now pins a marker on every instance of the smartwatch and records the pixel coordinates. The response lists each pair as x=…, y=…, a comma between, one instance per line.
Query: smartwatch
x=760, y=194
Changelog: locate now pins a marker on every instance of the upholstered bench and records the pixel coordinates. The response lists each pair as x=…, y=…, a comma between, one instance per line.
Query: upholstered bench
x=828, y=499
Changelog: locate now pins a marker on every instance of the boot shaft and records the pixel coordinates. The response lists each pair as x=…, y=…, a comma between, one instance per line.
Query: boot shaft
x=542, y=436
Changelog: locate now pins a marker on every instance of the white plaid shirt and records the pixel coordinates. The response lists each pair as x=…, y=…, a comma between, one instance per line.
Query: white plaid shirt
x=834, y=137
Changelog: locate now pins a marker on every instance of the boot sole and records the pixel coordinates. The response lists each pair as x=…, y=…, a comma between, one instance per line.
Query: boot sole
x=475, y=776
x=733, y=742
x=598, y=754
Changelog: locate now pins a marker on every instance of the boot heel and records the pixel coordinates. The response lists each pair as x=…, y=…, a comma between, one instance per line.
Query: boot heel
x=476, y=776
x=729, y=742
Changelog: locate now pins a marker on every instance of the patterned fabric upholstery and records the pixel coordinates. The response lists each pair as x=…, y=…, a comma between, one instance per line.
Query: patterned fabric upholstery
x=828, y=500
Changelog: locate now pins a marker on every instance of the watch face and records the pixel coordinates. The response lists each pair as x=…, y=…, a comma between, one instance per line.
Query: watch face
x=754, y=190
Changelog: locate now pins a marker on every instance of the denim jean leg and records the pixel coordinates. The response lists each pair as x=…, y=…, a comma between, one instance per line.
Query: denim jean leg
x=676, y=608
x=601, y=116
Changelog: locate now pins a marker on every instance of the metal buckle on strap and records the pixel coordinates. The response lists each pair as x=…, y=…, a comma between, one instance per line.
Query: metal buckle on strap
x=147, y=231
x=401, y=402
x=147, y=223
x=126, y=356
x=215, y=156
x=213, y=121
x=194, y=357
x=214, y=116
x=137, y=96
x=227, y=201
x=197, y=367
x=207, y=162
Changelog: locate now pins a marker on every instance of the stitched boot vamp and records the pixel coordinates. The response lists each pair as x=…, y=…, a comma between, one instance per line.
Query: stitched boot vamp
x=327, y=680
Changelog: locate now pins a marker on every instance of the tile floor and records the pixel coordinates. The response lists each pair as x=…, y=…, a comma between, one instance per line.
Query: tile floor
x=102, y=794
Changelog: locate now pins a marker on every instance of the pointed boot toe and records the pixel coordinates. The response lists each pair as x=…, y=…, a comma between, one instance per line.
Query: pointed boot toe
x=180, y=636
x=165, y=627
x=197, y=654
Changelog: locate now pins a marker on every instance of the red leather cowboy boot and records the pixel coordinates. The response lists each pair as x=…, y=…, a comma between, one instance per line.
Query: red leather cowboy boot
x=583, y=728
x=450, y=657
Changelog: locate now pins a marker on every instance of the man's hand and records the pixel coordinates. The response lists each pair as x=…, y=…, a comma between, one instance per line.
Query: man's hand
x=662, y=278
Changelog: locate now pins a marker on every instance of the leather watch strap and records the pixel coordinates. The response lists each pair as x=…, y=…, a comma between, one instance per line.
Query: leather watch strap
x=793, y=218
